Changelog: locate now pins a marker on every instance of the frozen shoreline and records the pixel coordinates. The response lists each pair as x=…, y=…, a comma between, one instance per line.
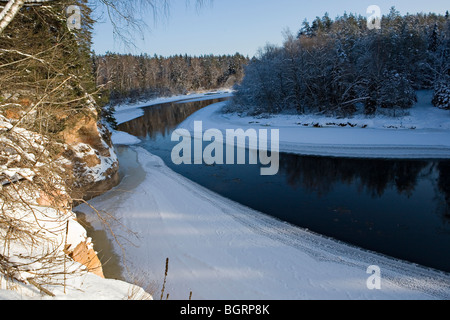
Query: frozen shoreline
x=370, y=138
x=219, y=249
x=422, y=134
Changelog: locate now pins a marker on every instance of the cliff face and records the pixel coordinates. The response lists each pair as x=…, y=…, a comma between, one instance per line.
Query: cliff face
x=95, y=167
x=42, y=187
x=53, y=151
x=91, y=156
x=95, y=170
x=85, y=144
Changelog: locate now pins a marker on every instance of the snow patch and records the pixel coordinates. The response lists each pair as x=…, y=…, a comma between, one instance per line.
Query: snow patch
x=123, y=138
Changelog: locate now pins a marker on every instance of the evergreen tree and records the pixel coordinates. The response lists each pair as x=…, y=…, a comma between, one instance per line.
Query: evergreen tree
x=441, y=98
x=434, y=42
x=60, y=70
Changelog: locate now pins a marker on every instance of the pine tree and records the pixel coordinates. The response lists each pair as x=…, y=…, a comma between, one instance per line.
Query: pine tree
x=434, y=41
x=441, y=98
x=61, y=70
x=396, y=91
x=306, y=30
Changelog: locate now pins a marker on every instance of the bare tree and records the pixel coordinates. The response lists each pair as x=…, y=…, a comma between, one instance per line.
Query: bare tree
x=127, y=17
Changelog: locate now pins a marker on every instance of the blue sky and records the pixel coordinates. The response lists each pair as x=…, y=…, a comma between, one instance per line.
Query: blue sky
x=229, y=26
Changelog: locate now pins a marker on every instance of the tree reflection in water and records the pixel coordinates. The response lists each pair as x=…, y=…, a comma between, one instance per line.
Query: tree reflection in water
x=162, y=119
x=444, y=186
x=319, y=174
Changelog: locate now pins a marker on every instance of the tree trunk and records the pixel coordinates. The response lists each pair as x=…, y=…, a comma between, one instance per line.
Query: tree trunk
x=12, y=8
x=9, y=12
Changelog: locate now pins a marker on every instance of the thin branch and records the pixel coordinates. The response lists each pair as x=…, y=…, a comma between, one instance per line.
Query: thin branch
x=38, y=103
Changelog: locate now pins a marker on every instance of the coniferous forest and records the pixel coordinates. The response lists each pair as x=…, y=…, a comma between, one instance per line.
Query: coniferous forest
x=340, y=66
x=132, y=77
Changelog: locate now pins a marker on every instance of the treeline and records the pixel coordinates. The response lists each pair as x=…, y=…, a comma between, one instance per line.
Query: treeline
x=131, y=77
x=341, y=66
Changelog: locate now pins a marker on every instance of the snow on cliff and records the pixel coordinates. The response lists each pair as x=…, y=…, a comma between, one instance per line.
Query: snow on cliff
x=38, y=230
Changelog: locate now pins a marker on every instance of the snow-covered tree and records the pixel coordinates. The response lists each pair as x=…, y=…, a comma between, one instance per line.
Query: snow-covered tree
x=441, y=98
x=396, y=91
x=333, y=66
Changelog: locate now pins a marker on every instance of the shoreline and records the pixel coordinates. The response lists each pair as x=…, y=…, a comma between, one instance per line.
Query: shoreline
x=219, y=249
x=371, y=138
x=373, y=143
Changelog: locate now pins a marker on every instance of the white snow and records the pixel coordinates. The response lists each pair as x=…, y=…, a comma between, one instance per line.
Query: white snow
x=221, y=250
x=80, y=286
x=123, y=138
x=423, y=133
x=68, y=280
x=37, y=252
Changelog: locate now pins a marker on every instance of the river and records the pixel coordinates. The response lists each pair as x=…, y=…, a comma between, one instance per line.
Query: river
x=399, y=208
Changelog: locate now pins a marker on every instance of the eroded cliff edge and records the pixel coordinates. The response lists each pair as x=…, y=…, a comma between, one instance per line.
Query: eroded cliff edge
x=41, y=181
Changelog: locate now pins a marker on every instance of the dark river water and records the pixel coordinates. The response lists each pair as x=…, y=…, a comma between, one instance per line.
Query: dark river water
x=400, y=208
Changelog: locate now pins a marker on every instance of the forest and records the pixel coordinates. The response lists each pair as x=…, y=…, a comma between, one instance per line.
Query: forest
x=132, y=77
x=340, y=67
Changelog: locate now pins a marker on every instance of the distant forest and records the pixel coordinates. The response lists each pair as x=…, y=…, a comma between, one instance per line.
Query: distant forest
x=340, y=67
x=130, y=77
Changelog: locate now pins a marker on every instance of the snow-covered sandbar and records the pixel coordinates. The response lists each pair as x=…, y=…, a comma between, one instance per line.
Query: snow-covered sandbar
x=424, y=133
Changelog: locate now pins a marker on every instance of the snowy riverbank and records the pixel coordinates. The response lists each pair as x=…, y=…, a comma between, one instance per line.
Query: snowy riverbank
x=219, y=249
x=45, y=250
x=423, y=133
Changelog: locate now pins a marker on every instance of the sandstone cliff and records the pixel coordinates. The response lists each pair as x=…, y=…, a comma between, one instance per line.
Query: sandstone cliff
x=39, y=189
